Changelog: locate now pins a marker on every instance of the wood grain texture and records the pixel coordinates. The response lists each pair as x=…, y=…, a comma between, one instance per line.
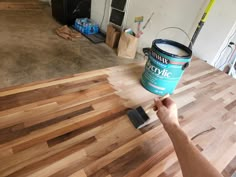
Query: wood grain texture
x=77, y=126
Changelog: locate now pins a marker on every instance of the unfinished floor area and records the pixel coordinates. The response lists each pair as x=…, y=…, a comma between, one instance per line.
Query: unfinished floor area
x=31, y=50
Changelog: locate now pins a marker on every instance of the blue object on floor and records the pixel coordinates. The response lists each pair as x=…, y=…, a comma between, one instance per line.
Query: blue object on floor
x=86, y=26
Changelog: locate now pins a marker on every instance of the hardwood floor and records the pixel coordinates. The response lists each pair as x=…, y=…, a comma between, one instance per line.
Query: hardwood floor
x=77, y=126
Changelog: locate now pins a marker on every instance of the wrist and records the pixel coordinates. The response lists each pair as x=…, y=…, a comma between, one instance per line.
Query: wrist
x=175, y=132
x=171, y=127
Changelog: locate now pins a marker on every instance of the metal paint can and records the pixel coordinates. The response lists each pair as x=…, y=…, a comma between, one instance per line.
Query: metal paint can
x=165, y=66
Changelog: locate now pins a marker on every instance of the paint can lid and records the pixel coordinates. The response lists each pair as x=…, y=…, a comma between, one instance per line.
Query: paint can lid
x=172, y=48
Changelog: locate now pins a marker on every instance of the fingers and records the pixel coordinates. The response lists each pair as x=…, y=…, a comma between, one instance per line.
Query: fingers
x=154, y=108
x=157, y=104
x=168, y=102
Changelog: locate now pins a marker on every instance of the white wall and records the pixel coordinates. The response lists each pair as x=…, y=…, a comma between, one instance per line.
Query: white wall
x=214, y=35
x=97, y=11
x=180, y=13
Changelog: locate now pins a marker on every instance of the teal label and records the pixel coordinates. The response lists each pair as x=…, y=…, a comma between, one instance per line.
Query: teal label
x=161, y=77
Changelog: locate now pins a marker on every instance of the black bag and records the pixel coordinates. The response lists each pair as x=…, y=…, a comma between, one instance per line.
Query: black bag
x=66, y=11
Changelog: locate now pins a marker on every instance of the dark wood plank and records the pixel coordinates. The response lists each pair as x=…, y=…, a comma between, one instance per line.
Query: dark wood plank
x=36, y=95
x=9, y=134
x=49, y=160
x=85, y=115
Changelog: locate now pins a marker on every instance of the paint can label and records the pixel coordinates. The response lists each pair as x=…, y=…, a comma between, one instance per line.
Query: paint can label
x=160, y=76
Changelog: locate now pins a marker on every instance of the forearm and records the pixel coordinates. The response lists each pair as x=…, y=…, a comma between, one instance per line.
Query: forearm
x=192, y=162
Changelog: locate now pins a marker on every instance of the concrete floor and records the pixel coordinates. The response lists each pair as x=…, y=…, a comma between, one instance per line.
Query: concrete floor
x=31, y=51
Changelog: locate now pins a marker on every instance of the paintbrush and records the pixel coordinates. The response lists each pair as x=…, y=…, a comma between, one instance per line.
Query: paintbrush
x=139, y=116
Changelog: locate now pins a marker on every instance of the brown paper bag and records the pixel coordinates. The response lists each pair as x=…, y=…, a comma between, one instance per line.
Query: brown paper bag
x=113, y=36
x=127, y=46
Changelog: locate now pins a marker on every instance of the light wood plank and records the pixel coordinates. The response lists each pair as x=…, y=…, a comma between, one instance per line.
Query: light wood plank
x=77, y=125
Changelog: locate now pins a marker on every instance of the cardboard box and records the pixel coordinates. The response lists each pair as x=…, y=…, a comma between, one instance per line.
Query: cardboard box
x=112, y=36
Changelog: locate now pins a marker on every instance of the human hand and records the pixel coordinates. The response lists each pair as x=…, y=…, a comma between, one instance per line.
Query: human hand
x=166, y=111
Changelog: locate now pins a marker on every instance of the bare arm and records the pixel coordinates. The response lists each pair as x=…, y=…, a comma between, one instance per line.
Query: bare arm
x=192, y=162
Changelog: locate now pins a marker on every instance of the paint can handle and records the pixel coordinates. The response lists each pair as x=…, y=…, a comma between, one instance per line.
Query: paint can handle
x=186, y=34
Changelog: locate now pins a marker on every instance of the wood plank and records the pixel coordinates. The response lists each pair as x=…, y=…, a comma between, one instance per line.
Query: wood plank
x=77, y=125
x=27, y=97
x=53, y=159
x=80, y=173
x=230, y=169
x=17, y=131
x=43, y=84
x=65, y=127
x=105, y=160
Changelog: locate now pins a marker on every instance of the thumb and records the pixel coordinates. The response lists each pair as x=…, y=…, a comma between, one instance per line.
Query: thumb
x=158, y=103
x=168, y=102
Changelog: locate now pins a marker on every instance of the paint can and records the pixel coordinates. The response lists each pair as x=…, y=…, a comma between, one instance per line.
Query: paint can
x=165, y=66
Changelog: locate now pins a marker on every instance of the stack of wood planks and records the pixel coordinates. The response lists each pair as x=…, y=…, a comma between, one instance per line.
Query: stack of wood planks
x=77, y=126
